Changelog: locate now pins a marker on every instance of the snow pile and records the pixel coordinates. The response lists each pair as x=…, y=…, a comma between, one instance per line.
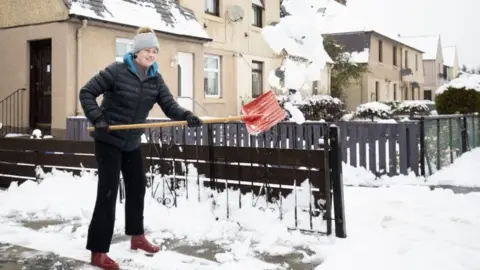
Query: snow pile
x=249, y=230
x=404, y=227
x=465, y=80
x=143, y=13
x=460, y=172
x=292, y=37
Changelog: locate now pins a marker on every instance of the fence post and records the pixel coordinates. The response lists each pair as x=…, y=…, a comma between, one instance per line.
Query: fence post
x=336, y=178
x=422, y=146
x=464, y=134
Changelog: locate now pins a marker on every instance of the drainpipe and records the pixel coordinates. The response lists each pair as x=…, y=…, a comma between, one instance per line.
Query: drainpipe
x=79, y=65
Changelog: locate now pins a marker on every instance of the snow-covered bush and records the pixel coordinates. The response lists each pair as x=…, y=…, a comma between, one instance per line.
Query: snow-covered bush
x=411, y=108
x=461, y=95
x=372, y=111
x=317, y=107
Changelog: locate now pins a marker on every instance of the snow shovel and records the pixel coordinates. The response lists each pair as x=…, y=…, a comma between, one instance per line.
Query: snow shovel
x=259, y=115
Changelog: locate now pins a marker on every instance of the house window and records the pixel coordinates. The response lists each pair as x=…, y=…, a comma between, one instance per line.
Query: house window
x=427, y=95
x=257, y=78
x=212, y=7
x=257, y=15
x=211, y=74
x=406, y=59
x=405, y=93
x=394, y=92
x=377, y=91
x=395, y=55
x=123, y=46
x=380, y=51
x=413, y=93
x=416, y=62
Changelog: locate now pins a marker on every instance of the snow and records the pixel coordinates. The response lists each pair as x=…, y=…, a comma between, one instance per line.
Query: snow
x=373, y=106
x=142, y=13
x=449, y=54
x=338, y=18
x=297, y=115
x=466, y=80
x=359, y=57
x=401, y=224
x=463, y=165
x=427, y=43
x=305, y=56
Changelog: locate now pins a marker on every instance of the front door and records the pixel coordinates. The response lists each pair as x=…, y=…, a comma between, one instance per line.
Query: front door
x=185, y=80
x=41, y=84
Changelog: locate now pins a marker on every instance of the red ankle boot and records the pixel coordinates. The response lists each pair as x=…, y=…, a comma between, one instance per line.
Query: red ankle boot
x=140, y=242
x=103, y=261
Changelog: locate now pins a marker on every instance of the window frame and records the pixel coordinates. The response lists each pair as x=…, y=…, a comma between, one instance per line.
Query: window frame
x=395, y=62
x=217, y=70
x=259, y=70
x=257, y=15
x=216, y=8
x=127, y=41
x=380, y=51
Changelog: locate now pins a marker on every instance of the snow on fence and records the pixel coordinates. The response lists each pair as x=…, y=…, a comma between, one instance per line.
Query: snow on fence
x=275, y=177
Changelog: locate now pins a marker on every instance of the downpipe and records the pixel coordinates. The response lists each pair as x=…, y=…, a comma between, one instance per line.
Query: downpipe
x=79, y=65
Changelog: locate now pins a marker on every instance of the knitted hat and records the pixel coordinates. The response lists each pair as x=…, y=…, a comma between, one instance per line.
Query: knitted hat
x=144, y=39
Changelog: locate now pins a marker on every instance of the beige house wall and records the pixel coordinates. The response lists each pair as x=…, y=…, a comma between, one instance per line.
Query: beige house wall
x=99, y=37
x=387, y=75
x=27, y=12
x=76, y=58
x=15, y=74
x=239, y=43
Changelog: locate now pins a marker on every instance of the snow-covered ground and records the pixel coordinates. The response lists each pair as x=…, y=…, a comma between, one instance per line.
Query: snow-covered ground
x=400, y=224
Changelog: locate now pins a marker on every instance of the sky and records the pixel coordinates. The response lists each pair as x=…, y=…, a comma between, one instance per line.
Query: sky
x=455, y=21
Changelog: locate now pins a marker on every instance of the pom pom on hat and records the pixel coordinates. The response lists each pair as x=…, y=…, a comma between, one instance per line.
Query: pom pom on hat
x=144, y=30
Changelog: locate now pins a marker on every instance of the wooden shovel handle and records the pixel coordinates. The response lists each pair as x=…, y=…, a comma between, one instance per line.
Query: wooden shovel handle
x=215, y=120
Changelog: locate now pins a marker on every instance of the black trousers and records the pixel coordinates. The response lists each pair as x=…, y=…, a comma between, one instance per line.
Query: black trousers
x=111, y=161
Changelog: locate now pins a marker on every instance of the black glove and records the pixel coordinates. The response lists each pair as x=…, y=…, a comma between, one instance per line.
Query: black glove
x=101, y=126
x=193, y=121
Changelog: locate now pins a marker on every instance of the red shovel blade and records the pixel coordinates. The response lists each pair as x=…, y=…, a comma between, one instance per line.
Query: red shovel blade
x=262, y=113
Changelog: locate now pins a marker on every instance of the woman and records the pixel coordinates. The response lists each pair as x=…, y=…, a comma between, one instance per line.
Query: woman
x=130, y=89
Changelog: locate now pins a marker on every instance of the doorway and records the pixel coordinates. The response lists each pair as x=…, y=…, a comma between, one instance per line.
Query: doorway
x=185, y=80
x=41, y=84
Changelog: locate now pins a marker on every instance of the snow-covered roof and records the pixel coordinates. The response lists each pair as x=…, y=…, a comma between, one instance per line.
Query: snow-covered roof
x=161, y=15
x=449, y=54
x=427, y=43
x=339, y=18
x=465, y=80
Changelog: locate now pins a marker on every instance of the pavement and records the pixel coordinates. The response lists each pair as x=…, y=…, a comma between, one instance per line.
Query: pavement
x=13, y=257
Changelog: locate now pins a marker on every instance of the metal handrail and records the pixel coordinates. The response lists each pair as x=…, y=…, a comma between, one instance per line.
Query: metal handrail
x=11, y=112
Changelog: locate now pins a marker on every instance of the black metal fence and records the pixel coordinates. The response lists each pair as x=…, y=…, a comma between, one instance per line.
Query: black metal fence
x=444, y=138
